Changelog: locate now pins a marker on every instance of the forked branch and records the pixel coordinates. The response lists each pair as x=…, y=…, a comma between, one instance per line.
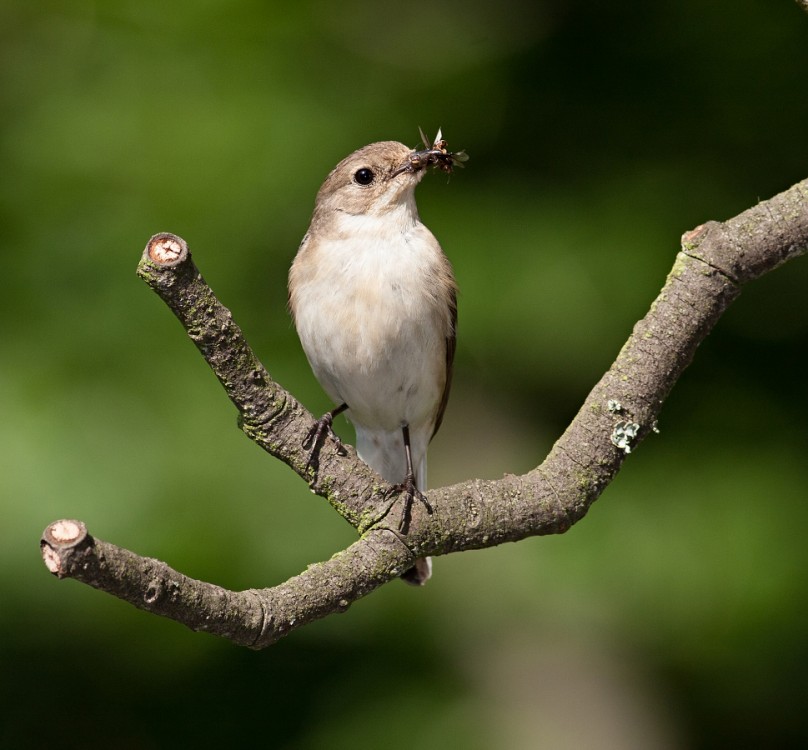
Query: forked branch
x=716, y=260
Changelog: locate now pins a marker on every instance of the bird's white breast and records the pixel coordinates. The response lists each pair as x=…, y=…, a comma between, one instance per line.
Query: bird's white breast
x=372, y=322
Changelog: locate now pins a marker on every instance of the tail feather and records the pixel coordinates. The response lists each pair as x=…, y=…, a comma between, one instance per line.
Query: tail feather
x=384, y=453
x=419, y=573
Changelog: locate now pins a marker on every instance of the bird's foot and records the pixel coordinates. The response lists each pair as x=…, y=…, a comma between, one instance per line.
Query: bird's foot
x=421, y=572
x=319, y=431
x=410, y=493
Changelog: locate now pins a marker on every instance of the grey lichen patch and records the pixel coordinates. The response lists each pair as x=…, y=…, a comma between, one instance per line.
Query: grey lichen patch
x=624, y=434
x=614, y=406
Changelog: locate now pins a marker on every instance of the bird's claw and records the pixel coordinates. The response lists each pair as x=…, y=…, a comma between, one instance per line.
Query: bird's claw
x=317, y=434
x=410, y=493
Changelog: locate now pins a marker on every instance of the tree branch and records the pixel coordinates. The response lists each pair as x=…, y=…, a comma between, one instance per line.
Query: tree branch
x=715, y=261
x=253, y=618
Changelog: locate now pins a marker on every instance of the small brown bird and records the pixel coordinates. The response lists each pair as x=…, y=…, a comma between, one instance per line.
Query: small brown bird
x=373, y=299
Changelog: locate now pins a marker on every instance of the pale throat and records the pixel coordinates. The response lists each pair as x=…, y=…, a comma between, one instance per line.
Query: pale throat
x=387, y=220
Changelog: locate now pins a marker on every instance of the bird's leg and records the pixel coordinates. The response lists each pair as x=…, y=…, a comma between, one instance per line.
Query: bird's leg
x=320, y=429
x=411, y=492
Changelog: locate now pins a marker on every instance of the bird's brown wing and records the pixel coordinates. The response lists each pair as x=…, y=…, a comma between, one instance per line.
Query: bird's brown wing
x=451, y=344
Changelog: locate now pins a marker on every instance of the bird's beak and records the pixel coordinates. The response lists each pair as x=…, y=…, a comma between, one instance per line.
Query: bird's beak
x=413, y=163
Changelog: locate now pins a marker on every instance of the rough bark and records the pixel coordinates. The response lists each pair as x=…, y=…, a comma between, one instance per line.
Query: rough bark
x=715, y=261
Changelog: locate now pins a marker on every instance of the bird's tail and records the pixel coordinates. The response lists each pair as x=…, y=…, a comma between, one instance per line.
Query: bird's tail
x=384, y=453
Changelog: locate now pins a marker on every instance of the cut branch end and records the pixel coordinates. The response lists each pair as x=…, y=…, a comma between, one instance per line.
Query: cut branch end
x=166, y=249
x=59, y=540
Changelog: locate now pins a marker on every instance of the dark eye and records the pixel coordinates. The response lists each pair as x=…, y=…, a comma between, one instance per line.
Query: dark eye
x=363, y=176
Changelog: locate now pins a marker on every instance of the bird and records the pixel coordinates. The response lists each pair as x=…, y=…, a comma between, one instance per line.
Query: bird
x=374, y=301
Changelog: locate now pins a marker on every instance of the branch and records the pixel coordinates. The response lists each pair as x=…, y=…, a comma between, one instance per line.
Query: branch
x=715, y=262
x=254, y=618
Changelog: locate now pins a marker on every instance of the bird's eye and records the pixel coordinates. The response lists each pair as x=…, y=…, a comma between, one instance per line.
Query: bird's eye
x=364, y=176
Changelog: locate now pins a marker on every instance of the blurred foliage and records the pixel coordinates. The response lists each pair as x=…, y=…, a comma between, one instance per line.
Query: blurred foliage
x=673, y=616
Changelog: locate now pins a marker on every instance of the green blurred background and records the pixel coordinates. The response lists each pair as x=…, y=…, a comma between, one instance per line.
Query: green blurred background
x=672, y=617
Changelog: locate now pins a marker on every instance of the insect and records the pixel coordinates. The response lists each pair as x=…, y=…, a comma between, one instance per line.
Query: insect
x=437, y=155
